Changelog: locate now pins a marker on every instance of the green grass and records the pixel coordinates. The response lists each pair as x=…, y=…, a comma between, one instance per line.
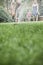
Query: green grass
x=21, y=44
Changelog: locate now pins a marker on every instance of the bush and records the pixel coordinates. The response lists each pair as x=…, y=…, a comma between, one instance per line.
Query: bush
x=5, y=16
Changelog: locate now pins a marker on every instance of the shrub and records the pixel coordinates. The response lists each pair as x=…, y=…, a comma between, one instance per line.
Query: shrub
x=5, y=16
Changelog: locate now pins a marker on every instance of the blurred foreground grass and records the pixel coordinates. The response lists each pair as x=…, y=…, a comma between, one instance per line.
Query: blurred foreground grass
x=21, y=44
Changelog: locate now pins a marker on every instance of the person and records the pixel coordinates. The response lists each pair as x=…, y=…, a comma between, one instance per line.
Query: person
x=28, y=16
x=18, y=3
x=12, y=10
x=35, y=8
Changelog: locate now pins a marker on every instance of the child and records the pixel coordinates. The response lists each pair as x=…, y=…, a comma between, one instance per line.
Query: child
x=35, y=10
x=28, y=15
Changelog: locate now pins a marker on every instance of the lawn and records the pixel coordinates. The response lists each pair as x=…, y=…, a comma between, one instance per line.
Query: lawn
x=21, y=44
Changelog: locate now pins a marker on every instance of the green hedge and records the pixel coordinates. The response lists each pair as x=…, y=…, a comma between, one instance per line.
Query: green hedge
x=21, y=44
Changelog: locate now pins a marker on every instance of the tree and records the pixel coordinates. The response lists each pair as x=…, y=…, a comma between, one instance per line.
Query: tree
x=1, y=2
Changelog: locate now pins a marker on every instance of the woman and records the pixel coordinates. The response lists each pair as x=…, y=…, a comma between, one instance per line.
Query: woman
x=35, y=10
x=12, y=10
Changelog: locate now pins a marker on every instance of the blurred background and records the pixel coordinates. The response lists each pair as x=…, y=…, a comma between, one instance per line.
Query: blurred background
x=16, y=10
